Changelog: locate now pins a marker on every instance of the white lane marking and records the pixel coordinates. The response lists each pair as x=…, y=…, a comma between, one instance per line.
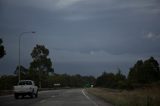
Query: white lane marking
x=89, y=98
x=42, y=101
x=53, y=96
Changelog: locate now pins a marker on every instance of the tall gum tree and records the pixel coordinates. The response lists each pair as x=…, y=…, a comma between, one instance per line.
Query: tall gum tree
x=41, y=64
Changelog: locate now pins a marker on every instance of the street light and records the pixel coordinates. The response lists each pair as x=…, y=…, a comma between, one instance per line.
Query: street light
x=20, y=35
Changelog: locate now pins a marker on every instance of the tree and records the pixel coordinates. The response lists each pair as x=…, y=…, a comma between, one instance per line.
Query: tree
x=120, y=79
x=151, y=70
x=119, y=76
x=2, y=51
x=111, y=80
x=106, y=80
x=7, y=82
x=41, y=64
x=144, y=72
x=23, y=71
x=136, y=72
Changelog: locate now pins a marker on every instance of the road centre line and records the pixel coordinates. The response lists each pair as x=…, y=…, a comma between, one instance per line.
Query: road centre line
x=42, y=101
x=53, y=96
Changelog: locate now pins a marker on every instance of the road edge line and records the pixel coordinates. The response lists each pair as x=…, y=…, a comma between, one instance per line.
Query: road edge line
x=89, y=98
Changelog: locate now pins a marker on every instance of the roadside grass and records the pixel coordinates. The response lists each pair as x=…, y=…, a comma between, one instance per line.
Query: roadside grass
x=137, y=97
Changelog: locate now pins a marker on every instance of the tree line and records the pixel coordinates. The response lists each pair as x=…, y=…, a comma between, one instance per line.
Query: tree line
x=141, y=74
x=41, y=70
x=111, y=80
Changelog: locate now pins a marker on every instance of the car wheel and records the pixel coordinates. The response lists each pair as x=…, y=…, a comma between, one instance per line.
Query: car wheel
x=22, y=96
x=36, y=95
x=32, y=94
x=16, y=96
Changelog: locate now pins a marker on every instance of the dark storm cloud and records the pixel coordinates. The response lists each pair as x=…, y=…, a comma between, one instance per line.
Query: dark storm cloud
x=108, y=31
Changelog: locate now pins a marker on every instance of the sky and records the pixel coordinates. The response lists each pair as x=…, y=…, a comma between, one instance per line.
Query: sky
x=84, y=37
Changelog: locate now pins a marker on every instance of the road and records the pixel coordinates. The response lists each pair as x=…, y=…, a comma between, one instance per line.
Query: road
x=65, y=97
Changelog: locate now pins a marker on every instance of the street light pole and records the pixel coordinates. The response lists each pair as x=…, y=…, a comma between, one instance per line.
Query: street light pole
x=19, y=38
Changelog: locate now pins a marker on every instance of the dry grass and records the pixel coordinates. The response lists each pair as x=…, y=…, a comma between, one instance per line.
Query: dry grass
x=138, y=97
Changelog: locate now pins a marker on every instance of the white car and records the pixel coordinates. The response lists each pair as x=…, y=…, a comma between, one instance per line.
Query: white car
x=25, y=87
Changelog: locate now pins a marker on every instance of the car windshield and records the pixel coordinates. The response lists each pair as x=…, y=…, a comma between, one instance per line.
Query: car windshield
x=25, y=83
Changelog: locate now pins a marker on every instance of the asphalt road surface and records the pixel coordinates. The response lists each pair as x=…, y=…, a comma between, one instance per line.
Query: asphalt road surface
x=65, y=97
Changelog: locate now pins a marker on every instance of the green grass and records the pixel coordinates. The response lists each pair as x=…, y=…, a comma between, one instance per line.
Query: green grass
x=138, y=97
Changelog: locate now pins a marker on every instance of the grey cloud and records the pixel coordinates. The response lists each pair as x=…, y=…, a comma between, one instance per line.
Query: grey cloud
x=81, y=31
x=153, y=36
x=89, y=7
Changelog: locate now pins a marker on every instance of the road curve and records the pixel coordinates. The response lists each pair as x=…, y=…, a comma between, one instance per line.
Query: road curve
x=65, y=97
